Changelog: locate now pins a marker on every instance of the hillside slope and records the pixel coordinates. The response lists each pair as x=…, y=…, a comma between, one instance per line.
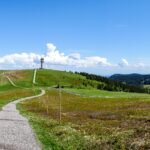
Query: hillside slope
x=63, y=78
x=48, y=78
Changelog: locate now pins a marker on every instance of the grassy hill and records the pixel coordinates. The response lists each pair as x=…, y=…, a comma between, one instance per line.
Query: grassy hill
x=4, y=83
x=22, y=78
x=67, y=79
x=91, y=118
x=48, y=78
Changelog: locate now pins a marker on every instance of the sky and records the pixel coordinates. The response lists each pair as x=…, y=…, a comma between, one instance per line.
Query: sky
x=97, y=36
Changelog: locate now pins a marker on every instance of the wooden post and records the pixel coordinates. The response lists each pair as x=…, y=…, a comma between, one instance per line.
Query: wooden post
x=59, y=104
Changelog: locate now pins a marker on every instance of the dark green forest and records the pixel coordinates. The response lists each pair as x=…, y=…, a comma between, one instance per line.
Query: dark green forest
x=112, y=85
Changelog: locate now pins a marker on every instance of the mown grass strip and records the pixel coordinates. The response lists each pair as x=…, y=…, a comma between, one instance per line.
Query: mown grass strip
x=106, y=94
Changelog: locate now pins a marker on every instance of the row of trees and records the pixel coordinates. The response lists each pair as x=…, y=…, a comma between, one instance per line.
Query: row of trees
x=111, y=85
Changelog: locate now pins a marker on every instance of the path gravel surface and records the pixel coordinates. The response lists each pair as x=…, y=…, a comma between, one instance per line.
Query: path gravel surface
x=15, y=131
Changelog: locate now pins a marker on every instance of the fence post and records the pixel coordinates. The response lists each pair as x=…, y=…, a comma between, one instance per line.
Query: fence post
x=60, y=104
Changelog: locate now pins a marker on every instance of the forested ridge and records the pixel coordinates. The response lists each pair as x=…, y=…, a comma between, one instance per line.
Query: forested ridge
x=111, y=85
x=132, y=79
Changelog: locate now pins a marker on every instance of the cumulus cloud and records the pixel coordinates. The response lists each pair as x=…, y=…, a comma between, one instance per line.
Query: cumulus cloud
x=93, y=61
x=52, y=57
x=123, y=63
x=22, y=59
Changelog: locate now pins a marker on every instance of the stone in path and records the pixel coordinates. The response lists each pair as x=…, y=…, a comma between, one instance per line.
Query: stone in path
x=15, y=131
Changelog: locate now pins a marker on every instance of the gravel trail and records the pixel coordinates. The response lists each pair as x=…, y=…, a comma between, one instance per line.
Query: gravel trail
x=15, y=131
x=34, y=76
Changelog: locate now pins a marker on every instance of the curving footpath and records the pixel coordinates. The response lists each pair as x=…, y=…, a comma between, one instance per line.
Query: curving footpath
x=15, y=131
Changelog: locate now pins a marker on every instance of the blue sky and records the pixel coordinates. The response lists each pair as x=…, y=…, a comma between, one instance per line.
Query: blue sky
x=116, y=30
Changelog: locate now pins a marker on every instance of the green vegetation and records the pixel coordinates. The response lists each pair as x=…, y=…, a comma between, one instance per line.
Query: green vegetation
x=132, y=79
x=111, y=85
x=92, y=118
x=3, y=80
x=147, y=86
x=6, y=87
x=90, y=123
x=65, y=79
x=22, y=78
x=105, y=94
x=47, y=78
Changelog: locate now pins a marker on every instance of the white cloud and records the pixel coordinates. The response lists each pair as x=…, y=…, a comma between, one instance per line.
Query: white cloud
x=75, y=56
x=123, y=63
x=22, y=59
x=93, y=62
x=50, y=47
x=52, y=57
x=72, y=61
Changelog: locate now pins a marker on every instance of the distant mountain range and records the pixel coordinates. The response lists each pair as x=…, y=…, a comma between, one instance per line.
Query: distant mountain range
x=132, y=79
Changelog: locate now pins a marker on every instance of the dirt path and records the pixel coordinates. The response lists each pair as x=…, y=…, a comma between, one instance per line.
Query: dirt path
x=11, y=82
x=15, y=131
x=34, y=76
